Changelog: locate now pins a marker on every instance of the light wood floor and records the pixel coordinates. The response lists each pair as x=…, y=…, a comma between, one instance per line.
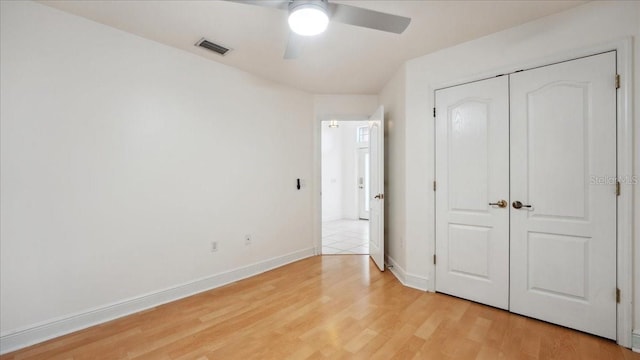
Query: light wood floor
x=337, y=307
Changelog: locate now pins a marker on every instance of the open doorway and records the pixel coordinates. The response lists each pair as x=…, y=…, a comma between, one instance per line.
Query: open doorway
x=345, y=187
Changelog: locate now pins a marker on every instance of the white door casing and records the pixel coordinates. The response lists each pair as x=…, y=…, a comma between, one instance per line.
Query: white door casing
x=563, y=248
x=363, y=183
x=376, y=187
x=472, y=171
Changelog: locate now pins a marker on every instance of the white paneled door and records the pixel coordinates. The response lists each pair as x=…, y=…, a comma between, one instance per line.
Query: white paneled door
x=544, y=141
x=563, y=223
x=472, y=171
x=376, y=187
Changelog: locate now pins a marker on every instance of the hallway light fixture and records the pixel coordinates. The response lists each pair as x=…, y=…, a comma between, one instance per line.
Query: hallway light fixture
x=308, y=17
x=333, y=124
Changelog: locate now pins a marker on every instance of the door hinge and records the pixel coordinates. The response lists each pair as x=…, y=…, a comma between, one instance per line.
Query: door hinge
x=434, y=259
x=434, y=185
x=434, y=112
x=617, y=188
x=618, y=296
x=617, y=81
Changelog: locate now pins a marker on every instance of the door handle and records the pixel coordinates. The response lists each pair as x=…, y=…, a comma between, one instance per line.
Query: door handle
x=518, y=205
x=501, y=203
x=379, y=196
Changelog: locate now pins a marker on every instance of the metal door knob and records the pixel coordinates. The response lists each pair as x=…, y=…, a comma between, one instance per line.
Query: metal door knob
x=501, y=203
x=518, y=205
x=379, y=196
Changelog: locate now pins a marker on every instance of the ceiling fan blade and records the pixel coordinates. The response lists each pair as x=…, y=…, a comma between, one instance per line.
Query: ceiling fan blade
x=294, y=46
x=277, y=4
x=352, y=15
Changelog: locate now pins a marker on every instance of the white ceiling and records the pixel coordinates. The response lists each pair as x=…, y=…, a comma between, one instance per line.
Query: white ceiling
x=344, y=60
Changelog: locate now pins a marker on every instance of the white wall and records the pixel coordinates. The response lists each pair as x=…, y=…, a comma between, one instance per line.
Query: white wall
x=122, y=159
x=584, y=26
x=636, y=197
x=332, y=178
x=344, y=107
x=393, y=99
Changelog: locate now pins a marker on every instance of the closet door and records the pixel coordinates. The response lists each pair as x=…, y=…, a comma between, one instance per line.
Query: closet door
x=472, y=174
x=563, y=217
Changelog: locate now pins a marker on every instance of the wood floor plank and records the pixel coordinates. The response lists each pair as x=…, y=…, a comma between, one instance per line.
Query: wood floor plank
x=329, y=307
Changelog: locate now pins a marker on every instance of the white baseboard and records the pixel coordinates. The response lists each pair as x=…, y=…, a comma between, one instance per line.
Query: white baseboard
x=420, y=283
x=635, y=341
x=406, y=279
x=18, y=339
x=396, y=269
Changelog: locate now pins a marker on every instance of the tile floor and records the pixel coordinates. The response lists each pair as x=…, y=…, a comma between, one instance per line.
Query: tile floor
x=345, y=237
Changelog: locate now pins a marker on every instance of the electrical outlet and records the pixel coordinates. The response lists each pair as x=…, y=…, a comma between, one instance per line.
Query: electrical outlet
x=247, y=239
x=214, y=246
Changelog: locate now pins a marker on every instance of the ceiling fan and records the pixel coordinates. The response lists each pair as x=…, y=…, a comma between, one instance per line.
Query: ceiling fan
x=311, y=17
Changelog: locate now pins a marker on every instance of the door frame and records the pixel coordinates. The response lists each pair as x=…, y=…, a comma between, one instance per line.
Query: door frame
x=316, y=201
x=624, y=107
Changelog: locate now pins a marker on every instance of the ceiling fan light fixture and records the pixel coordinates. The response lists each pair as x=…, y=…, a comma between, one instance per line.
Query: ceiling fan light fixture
x=308, y=17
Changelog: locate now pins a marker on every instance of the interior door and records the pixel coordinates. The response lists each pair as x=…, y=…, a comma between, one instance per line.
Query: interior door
x=563, y=230
x=472, y=172
x=363, y=183
x=376, y=187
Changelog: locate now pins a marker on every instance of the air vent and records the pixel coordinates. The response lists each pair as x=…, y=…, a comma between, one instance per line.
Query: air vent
x=218, y=49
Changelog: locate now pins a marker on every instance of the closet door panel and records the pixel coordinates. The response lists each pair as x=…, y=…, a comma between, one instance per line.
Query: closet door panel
x=563, y=236
x=472, y=172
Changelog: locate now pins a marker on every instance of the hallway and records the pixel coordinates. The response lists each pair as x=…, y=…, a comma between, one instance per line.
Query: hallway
x=344, y=236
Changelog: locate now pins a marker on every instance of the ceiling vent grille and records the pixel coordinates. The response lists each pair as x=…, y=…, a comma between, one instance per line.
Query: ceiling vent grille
x=218, y=49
